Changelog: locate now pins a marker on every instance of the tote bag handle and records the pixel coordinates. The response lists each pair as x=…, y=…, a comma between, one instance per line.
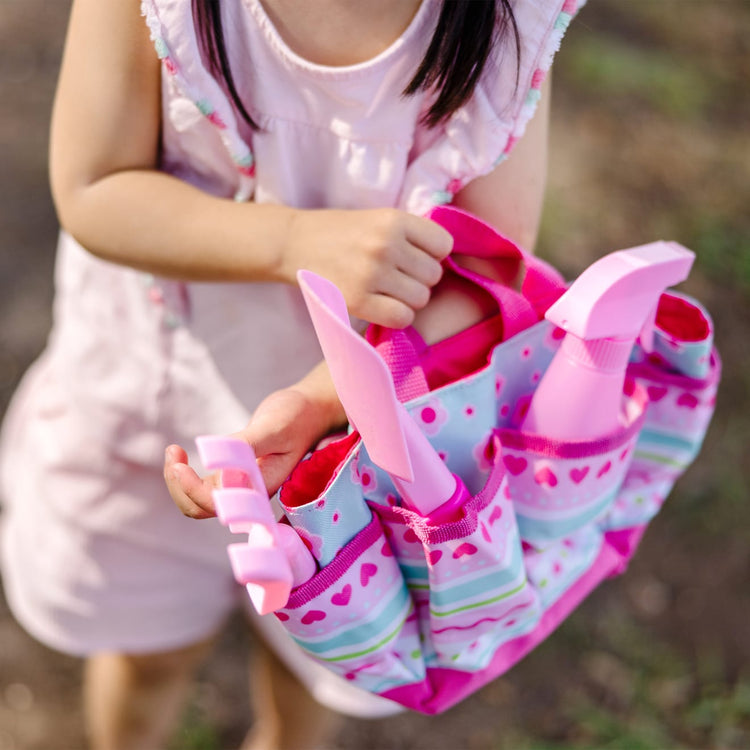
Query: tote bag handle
x=540, y=286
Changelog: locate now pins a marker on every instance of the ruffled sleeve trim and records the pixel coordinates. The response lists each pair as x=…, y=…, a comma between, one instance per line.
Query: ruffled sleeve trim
x=177, y=47
x=481, y=134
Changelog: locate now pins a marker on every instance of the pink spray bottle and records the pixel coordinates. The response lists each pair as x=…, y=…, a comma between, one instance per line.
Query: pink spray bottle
x=602, y=313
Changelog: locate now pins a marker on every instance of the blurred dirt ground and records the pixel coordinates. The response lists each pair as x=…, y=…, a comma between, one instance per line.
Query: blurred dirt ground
x=650, y=139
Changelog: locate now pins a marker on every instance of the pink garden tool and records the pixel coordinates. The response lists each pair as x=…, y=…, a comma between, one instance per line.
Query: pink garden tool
x=365, y=386
x=274, y=559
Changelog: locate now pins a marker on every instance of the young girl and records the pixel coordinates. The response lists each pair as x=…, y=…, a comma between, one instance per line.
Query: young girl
x=213, y=145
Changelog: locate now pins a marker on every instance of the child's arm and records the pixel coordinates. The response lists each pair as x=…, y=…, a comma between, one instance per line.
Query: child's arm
x=511, y=197
x=112, y=198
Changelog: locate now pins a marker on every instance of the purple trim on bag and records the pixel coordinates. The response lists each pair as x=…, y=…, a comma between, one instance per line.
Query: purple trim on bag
x=653, y=372
x=542, y=446
x=444, y=687
x=430, y=534
x=331, y=573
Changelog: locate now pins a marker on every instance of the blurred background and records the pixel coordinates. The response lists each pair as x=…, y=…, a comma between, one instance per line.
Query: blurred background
x=650, y=139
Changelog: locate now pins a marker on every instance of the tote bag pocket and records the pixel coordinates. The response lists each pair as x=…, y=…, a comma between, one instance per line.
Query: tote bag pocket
x=560, y=487
x=356, y=616
x=679, y=411
x=467, y=576
x=323, y=498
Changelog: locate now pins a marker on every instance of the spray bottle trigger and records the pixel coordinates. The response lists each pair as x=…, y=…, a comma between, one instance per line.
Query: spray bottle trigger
x=646, y=336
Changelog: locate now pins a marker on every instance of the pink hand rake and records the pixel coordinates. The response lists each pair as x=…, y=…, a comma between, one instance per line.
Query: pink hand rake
x=274, y=559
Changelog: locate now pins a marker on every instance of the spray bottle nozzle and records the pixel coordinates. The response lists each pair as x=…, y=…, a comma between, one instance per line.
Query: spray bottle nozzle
x=617, y=296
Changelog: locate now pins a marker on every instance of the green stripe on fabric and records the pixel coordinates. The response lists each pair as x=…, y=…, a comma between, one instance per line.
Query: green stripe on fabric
x=366, y=651
x=659, y=459
x=480, y=604
x=360, y=631
x=480, y=583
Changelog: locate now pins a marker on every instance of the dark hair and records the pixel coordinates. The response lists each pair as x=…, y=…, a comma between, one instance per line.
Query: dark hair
x=465, y=34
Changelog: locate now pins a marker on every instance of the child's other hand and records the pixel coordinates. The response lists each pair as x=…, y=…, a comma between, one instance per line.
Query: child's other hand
x=384, y=261
x=284, y=427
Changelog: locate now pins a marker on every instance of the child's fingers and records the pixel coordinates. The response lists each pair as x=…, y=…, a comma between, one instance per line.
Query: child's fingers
x=429, y=236
x=191, y=494
x=385, y=310
x=275, y=425
x=276, y=452
x=175, y=454
x=276, y=468
x=419, y=266
x=405, y=289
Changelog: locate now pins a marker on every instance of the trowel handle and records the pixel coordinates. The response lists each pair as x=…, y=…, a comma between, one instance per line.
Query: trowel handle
x=433, y=484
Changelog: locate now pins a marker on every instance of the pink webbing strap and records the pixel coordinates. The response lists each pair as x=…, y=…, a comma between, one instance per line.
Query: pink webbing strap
x=401, y=350
x=541, y=286
x=516, y=312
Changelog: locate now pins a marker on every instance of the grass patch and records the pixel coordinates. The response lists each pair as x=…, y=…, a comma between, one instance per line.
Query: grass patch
x=604, y=66
x=196, y=732
x=723, y=249
x=604, y=729
x=722, y=715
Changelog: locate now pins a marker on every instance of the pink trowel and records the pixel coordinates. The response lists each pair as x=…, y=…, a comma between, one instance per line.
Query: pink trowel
x=365, y=386
x=274, y=559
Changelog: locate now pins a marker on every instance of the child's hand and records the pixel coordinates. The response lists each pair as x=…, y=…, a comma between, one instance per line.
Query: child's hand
x=284, y=427
x=191, y=493
x=384, y=261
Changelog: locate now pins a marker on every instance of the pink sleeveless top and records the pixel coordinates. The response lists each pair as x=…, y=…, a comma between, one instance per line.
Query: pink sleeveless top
x=340, y=137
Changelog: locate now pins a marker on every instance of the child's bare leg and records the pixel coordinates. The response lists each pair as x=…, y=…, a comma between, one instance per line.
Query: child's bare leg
x=133, y=701
x=286, y=716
